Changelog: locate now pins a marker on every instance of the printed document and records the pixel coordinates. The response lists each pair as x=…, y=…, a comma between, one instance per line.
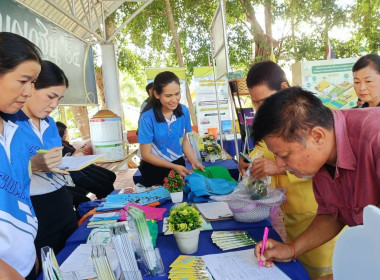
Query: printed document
x=241, y=265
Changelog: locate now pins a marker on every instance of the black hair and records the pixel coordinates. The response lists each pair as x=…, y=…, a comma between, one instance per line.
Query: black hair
x=161, y=81
x=14, y=50
x=266, y=72
x=51, y=75
x=148, y=87
x=290, y=114
x=61, y=128
x=364, y=61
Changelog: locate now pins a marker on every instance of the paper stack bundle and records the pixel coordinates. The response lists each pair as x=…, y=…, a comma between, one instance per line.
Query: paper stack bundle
x=189, y=267
x=228, y=240
x=50, y=266
x=98, y=220
x=125, y=251
x=150, y=258
x=100, y=261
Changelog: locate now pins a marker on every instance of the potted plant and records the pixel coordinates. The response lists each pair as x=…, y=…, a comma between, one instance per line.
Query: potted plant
x=185, y=222
x=174, y=184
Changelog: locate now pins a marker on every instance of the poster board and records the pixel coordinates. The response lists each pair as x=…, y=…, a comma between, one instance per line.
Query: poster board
x=331, y=81
x=206, y=105
x=218, y=42
x=72, y=55
x=151, y=73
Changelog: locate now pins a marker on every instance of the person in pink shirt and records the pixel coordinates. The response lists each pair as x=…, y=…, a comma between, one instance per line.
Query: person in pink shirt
x=340, y=150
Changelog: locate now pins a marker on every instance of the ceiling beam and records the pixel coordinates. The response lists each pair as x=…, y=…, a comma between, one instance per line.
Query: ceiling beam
x=73, y=18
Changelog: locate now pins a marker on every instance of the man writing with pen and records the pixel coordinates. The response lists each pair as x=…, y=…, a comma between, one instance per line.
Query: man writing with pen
x=263, y=80
x=335, y=149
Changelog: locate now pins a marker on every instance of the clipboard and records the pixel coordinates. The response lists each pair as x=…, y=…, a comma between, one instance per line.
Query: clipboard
x=76, y=163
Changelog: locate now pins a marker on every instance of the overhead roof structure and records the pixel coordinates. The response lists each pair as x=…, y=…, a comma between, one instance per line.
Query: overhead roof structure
x=84, y=19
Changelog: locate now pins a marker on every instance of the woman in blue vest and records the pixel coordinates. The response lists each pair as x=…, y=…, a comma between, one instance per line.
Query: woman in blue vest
x=51, y=200
x=163, y=124
x=19, y=68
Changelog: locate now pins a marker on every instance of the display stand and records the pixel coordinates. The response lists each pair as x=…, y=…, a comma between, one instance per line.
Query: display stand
x=245, y=115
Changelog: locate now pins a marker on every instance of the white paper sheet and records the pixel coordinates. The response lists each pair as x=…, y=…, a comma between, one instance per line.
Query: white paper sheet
x=240, y=265
x=80, y=261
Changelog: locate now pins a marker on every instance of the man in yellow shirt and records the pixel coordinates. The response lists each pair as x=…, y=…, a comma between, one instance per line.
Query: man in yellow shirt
x=264, y=79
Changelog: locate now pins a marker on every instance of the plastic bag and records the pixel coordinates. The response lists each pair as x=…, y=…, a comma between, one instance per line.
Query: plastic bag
x=257, y=188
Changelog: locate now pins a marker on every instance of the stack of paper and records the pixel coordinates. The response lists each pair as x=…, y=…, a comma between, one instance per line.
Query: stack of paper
x=80, y=262
x=214, y=211
x=189, y=267
x=100, y=261
x=139, y=228
x=103, y=218
x=144, y=198
x=228, y=240
x=50, y=266
x=125, y=251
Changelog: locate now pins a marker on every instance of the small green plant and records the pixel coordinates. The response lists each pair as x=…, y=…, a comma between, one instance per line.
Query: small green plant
x=174, y=182
x=184, y=218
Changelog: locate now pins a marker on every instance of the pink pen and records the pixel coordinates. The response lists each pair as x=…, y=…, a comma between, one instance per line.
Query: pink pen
x=265, y=238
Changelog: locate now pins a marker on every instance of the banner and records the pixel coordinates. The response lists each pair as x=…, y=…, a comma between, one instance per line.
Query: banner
x=68, y=52
x=206, y=105
x=151, y=73
x=330, y=80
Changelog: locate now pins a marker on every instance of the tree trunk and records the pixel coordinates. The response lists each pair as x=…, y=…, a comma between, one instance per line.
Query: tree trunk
x=262, y=41
x=100, y=87
x=173, y=28
x=293, y=33
x=81, y=118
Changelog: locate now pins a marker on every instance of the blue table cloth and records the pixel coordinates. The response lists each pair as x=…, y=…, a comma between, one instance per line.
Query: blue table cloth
x=81, y=234
x=230, y=164
x=169, y=252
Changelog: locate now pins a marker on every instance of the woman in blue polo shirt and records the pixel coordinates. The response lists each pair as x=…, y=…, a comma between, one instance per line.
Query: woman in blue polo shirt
x=51, y=200
x=163, y=124
x=19, y=68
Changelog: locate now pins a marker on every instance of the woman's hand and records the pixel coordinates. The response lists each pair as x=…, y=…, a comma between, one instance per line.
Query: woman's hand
x=243, y=166
x=198, y=165
x=48, y=162
x=182, y=170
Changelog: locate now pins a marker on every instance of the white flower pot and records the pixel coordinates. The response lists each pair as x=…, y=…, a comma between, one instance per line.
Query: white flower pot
x=176, y=197
x=187, y=241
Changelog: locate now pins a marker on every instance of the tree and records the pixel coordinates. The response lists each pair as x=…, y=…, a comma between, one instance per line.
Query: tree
x=366, y=17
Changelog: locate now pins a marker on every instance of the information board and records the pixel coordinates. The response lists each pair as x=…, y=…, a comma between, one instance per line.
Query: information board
x=71, y=54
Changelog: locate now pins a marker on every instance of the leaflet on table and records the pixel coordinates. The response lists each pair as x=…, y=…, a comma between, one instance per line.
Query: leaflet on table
x=240, y=265
x=205, y=225
x=144, y=198
x=75, y=163
x=150, y=212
